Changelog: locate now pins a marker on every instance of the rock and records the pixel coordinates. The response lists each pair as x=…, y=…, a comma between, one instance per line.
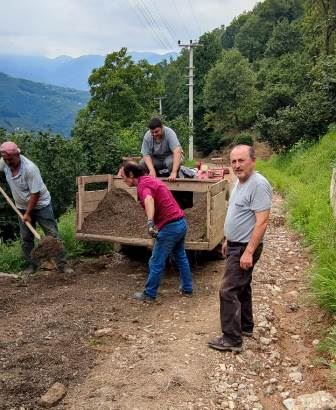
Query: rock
x=289, y=404
x=315, y=342
x=53, y=396
x=295, y=377
x=104, y=332
x=265, y=341
x=320, y=400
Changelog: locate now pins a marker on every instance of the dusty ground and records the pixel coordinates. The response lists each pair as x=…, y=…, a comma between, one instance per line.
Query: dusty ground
x=157, y=356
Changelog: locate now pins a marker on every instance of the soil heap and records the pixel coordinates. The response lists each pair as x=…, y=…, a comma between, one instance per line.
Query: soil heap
x=118, y=214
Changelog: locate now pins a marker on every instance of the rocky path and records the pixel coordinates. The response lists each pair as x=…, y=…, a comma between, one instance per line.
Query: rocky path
x=111, y=352
x=161, y=359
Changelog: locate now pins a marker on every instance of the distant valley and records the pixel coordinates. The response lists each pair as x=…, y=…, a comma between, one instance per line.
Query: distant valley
x=35, y=106
x=64, y=71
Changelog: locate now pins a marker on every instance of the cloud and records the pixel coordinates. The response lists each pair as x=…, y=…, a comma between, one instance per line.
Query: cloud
x=77, y=27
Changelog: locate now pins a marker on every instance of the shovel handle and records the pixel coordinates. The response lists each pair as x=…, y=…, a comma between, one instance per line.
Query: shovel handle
x=29, y=225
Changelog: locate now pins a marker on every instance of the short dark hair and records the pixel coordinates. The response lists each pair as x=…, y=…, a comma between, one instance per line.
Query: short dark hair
x=155, y=123
x=134, y=168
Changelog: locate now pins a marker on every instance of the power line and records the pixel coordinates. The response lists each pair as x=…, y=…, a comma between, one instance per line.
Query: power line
x=183, y=26
x=194, y=17
x=144, y=18
x=155, y=23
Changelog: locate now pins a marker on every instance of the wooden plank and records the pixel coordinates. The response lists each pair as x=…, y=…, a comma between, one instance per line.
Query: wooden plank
x=208, y=219
x=80, y=203
x=91, y=179
x=181, y=184
x=93, y=196
x=135, y=241
x=89, y=207
x=218, y=187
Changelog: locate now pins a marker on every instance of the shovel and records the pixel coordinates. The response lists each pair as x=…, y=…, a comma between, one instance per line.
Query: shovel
x=28, y=224
x=48, y=247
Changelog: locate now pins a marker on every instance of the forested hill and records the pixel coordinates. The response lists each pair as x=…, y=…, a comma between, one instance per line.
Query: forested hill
x=35, y=106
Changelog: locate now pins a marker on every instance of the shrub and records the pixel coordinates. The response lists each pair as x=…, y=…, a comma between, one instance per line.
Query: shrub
x=243, y=138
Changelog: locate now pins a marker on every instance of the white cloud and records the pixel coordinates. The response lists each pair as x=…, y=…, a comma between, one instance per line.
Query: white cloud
x=77, y=27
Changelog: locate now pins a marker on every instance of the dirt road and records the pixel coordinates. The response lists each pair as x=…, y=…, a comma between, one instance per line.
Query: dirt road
x=155, y=355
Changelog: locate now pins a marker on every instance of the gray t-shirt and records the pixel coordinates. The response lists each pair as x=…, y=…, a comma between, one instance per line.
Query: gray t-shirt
x=254, y=195
x=163, y=148
x=28, y=181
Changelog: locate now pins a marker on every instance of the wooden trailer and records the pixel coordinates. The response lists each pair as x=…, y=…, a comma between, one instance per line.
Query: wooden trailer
x=216, y=192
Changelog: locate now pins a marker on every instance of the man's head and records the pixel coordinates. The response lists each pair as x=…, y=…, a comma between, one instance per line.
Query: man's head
x=243, y=160
x=10, y=152
x=156, y=128
x=132, y=172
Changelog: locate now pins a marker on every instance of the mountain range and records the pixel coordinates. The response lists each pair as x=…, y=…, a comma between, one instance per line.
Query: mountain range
x=64, y=71
x=35, y=106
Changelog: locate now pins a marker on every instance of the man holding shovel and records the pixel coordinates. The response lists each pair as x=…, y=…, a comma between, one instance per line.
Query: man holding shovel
x=33, y=200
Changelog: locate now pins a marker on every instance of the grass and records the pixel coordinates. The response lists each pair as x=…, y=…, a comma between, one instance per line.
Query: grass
x=303, y=176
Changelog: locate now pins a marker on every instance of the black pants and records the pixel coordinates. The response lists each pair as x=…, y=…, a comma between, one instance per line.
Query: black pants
x=235, y=295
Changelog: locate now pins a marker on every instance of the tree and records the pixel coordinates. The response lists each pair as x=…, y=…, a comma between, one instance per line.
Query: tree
x=286, y=38
x=121, y=91
x=229, y=92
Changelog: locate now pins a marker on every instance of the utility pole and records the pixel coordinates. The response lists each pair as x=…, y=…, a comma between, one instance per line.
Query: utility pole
x=190, y=47
x=160, y=103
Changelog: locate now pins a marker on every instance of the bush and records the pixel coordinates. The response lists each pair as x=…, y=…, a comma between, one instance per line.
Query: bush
x=243, y=138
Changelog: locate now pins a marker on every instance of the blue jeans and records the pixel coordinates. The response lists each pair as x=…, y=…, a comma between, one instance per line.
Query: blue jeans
x=170, y=240
x=45, y=218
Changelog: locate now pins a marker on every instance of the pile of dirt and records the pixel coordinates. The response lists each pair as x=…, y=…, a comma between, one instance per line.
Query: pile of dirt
x=118, y=214
x=197, y=219
x=48, y=248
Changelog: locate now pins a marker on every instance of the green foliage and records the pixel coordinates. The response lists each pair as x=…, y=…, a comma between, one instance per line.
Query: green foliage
x=303, y=175
x=229, y=92
x=243, y=138
x=180, y=125
x=286, y=38
x=34, y=106
x=10, y=257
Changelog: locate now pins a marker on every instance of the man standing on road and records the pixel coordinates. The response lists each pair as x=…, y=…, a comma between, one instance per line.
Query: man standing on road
x=245, y=225
x=161, y=151
x=32, y=198
x=167, y=224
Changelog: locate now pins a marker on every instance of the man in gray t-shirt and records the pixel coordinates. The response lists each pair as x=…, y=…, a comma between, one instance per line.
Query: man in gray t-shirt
x=32, y=198
x=161, y=150
x=245, y=225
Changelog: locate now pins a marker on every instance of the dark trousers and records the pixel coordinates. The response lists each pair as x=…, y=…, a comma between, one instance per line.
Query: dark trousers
x=45, y=218
x=235, y=295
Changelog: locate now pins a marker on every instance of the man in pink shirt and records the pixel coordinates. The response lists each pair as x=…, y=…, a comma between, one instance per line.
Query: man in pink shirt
x=167, y=224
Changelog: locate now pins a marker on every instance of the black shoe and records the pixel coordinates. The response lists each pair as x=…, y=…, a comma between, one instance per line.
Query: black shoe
x=185, y=294
x=219, y=344
x=142, y=296
x=247, y=334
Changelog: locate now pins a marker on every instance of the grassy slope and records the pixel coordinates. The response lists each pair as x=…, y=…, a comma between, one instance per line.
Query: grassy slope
x=304, y=176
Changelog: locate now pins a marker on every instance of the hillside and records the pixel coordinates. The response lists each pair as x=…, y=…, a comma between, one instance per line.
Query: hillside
x=64, y=71
x=35, y=106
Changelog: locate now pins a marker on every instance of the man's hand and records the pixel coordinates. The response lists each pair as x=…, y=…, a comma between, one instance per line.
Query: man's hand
x=172, y=176
x=246, y=260
x=26, y=217
x=224, y=248
x=152, y=229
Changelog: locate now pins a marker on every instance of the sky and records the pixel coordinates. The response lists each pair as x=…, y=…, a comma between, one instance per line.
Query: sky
x=79, y=27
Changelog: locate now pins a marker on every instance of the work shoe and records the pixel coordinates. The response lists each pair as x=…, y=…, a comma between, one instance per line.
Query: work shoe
x=219, y=344
x=247, y=334
x=143, y=297
x=29, y=270
x=65, y=269
x=185, y=294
